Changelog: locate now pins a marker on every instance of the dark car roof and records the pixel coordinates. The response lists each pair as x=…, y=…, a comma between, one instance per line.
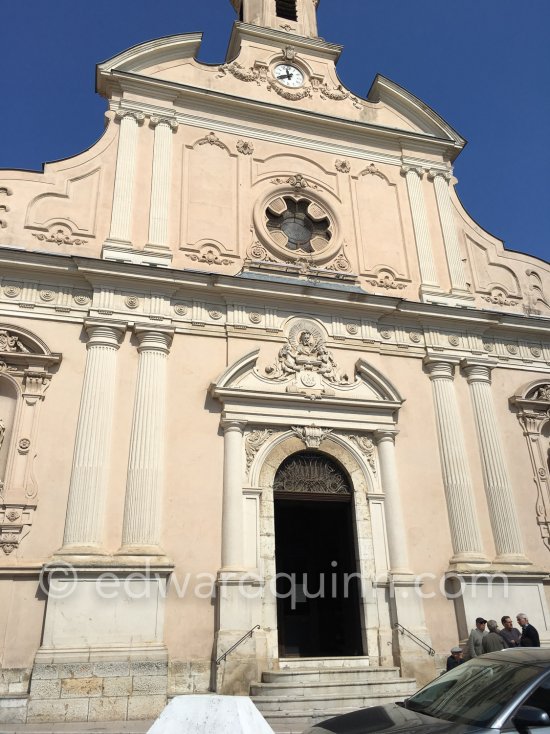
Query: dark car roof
x=522, y=656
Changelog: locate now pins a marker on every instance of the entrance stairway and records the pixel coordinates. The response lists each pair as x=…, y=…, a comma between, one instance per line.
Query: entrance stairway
x=306, y=691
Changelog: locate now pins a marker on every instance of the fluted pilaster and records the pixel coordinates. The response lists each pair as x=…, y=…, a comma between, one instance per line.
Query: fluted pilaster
x=395, y=526
x=89, y=477
x=465, y=534
x=424, y=248
x=160, y=185
x=121, y=217
x=449, y=229
x=232, y=523
x=145, y=481
x=498, y=488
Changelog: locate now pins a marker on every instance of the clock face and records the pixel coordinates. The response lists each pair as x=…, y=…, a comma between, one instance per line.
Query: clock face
x=288, y=75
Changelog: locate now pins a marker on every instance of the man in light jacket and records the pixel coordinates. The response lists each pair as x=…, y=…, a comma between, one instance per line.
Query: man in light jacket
x=474, y=646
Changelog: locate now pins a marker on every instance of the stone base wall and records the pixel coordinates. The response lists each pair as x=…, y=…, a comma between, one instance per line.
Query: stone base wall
x=97, y=691
x=192, y=676
x=14, y=688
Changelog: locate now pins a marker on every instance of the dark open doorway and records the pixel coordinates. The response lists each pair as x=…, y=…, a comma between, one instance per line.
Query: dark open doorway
x=318, y=591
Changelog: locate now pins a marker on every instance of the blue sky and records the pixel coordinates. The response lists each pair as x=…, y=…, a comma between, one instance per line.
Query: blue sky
x=484, y=65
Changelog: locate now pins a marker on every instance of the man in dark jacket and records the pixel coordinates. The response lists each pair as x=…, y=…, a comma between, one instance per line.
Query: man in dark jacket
x=509, y=633
x=529, y=635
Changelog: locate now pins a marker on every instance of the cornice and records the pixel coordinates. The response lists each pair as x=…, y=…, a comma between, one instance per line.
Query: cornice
x=317, y=46
x=265, y=111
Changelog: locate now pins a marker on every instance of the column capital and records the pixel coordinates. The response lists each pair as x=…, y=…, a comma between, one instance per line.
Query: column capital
x=139, y=117
x=478, y=370
x=170, y=122
x=440, y=368
x=385, y=434
x=434, y=173
x=408, y=168
x=231, y=425
x=104, y=333
x=154, y=338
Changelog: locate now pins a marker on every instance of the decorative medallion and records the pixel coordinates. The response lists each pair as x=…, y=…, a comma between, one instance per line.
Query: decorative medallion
x=352, y=329
x=512, y=349
x=535, y=351
x=12, y=291
x=341, y=264
x=132, y=302
x=24, y=444
x=386, y=333
x=343, y=166
x=255, y=318
x=216, y=315
x=415, y=336
x=454, y=340
x=47, y=295
x=13, y=515
x=82, y=299
x=180, y=309
x=488, y=346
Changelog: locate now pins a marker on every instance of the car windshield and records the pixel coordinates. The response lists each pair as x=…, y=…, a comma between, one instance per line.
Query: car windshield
x=473, y=693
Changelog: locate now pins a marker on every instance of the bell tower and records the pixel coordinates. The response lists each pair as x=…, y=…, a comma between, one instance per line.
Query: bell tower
x=293, y=16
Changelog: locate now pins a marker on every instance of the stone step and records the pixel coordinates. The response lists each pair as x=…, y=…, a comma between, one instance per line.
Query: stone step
x=316, y=663
x=364, y=687
x=308, y=675
x=334, y=701
x=296, y=722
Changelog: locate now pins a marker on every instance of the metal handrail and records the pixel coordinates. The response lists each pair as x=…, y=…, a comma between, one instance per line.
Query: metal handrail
x=236, y=645
x=414, y=638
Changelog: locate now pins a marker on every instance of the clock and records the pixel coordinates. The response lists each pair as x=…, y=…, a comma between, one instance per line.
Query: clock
x=288, y=75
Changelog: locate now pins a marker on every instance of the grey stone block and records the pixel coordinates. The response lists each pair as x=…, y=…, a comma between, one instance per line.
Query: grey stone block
x=77, y=710
x=111, y=669
x=81, y=687
x=75, y=670
x=108, y=709
x=145, y=707
x=149, y=684
x=13, y=714
x=117, y=686
x=57, y=711
x=45, y=688
x=149, y=667
x=42, y=671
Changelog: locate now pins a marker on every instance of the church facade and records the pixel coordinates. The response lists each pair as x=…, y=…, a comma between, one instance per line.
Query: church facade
x=261, y=377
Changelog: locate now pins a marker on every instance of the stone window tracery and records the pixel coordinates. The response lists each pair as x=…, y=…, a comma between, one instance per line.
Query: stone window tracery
x=298, y=225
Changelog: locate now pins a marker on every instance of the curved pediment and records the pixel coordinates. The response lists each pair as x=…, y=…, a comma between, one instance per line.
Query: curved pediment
x=405, y=104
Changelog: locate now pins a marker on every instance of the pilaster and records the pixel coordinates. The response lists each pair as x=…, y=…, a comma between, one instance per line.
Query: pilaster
x=428, y=273
x=89, y=477
x=232, y=523
x=164, y=128
x=145, y=481
x=457, y=273
x=498, y=488
x=465, y=533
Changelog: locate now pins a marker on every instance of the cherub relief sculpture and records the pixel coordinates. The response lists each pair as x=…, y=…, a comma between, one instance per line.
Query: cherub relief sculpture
x=10, y=343
x=543, y=393
x=306, y=358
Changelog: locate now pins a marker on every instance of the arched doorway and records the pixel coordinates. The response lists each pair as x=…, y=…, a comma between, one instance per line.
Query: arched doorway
x=318, y=587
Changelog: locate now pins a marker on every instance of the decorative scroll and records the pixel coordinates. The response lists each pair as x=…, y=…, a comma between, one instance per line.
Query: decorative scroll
x=253, y=442
x=366, y=446
x=311, y=474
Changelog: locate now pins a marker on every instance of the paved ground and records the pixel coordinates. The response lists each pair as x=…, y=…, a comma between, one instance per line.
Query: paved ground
x=110, y=727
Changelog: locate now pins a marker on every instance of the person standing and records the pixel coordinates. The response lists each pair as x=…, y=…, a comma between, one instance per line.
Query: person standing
x=474, y=645
x=510, y=634
x=529, y=635
x=455, y=658
x=492, y=642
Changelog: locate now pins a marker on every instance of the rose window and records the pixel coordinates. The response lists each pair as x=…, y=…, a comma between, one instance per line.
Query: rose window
x=298, y=225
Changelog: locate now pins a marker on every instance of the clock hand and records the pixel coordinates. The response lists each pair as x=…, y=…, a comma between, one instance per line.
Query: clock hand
x=285, y=76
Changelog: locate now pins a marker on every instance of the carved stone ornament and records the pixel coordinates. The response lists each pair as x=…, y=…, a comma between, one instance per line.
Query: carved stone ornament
x=499, y=297
x=211, y=139
x=132, y=302
x=59, y=235
x=244, y=147
x=253, y=443
x=311, y=474
x=343, y=166
x=289, y=53
x=366, y=446
x=386, y=279
x=312, y=435
x=340, y=264
x=371, y=170
x=306, y=361
x=2, y=431
x=10, y=343
x=297, y=181
x=9, y=542
x=210, y=257
x=533, y=412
